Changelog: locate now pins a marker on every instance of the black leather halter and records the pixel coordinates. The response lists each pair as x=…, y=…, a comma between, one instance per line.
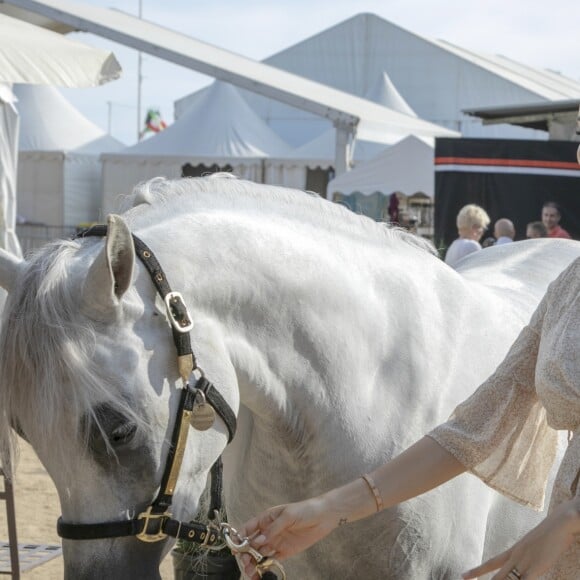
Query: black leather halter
x=156, y=523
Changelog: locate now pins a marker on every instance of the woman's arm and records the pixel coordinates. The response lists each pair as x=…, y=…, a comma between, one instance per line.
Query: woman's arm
x=289, y=529
x=422, y=467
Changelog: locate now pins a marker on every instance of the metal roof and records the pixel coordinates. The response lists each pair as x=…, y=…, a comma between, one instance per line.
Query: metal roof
x=533, y=115
x=545, y=83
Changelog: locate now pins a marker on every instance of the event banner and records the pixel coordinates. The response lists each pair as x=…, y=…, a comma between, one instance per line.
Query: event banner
x=509, y=178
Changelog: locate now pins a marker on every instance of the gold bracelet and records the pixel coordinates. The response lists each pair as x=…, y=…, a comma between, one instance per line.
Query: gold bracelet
x=376, y=493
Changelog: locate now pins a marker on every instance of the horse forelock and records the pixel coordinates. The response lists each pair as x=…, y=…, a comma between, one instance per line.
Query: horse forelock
x=50, y=383
x=224, y=191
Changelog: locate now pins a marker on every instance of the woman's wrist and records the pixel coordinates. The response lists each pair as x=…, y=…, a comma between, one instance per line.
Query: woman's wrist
x=349, y=503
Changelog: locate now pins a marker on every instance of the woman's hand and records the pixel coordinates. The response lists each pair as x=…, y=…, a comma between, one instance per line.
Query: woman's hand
x=538, y=550
x=286, y=530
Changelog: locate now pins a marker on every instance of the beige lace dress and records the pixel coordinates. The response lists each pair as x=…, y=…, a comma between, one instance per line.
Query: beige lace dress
x=505, y=433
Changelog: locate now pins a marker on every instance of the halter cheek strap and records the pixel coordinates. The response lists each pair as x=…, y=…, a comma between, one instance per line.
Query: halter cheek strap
x=156, y=523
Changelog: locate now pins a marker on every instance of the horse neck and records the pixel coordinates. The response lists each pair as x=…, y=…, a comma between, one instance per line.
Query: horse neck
x=276, y=286
x=295, y=308
x=255, y=283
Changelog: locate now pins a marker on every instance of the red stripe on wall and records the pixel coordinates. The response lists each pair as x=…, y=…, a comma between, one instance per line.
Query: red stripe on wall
x=506, y=162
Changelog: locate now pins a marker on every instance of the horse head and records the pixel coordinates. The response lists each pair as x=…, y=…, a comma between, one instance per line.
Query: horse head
x=90, y=377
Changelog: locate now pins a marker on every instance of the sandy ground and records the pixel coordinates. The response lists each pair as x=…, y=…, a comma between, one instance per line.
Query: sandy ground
x=37, y=509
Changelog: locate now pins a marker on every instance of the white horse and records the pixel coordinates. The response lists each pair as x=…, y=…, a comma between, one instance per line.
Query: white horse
x=337, y=340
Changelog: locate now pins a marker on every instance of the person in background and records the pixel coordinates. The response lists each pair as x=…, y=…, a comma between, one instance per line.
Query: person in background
x=536, y=230
x=504, y=232
x=472, y=221
x=551, y=215
x=393, y=207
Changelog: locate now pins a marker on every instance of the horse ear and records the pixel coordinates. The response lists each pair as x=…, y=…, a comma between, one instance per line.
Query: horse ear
x=10, y=265
x=111, y=273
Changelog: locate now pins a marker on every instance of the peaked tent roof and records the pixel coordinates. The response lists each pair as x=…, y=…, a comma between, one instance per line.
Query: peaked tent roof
x=48, y=122
x=385, y=93
x=218, y=124
x=437, y=79
x=321, y=148
x=407, y=166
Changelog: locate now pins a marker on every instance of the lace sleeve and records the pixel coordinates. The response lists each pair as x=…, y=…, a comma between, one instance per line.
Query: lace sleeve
x=500, y=433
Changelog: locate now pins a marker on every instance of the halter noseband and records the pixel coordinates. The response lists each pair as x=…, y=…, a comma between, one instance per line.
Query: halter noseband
x=155, y=523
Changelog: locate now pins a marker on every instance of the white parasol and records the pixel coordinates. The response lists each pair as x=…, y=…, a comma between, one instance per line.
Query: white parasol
x=34, y=55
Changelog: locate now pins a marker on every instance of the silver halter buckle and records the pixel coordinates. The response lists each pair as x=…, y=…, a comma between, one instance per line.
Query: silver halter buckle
x=178, y=313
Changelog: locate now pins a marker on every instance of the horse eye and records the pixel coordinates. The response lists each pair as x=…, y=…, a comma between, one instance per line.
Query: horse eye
x=123, y=434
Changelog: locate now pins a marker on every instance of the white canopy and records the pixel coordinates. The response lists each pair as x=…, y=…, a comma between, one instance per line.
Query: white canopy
x=59, y=170
x=407, y=167
x=218, y=129
x=29, y=54
x=292, y=169
x=49, y=122
x=320, y=152
x=220, y=124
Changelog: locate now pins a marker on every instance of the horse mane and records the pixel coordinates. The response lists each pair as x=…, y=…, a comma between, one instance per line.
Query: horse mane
x=46, y=357
x=225, y=191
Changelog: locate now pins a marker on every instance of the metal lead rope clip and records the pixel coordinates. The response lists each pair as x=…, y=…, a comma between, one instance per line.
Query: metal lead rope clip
x=266, y=567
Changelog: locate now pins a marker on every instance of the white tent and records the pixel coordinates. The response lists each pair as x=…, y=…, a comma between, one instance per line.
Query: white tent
x=406, y=167
x=438, y=80
x=385, y=93
x=292, y=169
x=30, y=54
x=59, y=170
x=219, y=129
x=319, y=153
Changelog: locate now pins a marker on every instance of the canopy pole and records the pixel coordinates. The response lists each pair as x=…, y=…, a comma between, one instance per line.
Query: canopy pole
x=345, y=135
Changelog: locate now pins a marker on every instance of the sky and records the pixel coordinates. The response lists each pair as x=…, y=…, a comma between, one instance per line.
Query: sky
x=539, y=33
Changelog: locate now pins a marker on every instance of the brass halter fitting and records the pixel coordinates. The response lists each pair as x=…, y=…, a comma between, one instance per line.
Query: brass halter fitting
x=158, y=535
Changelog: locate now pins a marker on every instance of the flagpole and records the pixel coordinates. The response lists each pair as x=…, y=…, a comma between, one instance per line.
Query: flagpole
x=139, y=81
